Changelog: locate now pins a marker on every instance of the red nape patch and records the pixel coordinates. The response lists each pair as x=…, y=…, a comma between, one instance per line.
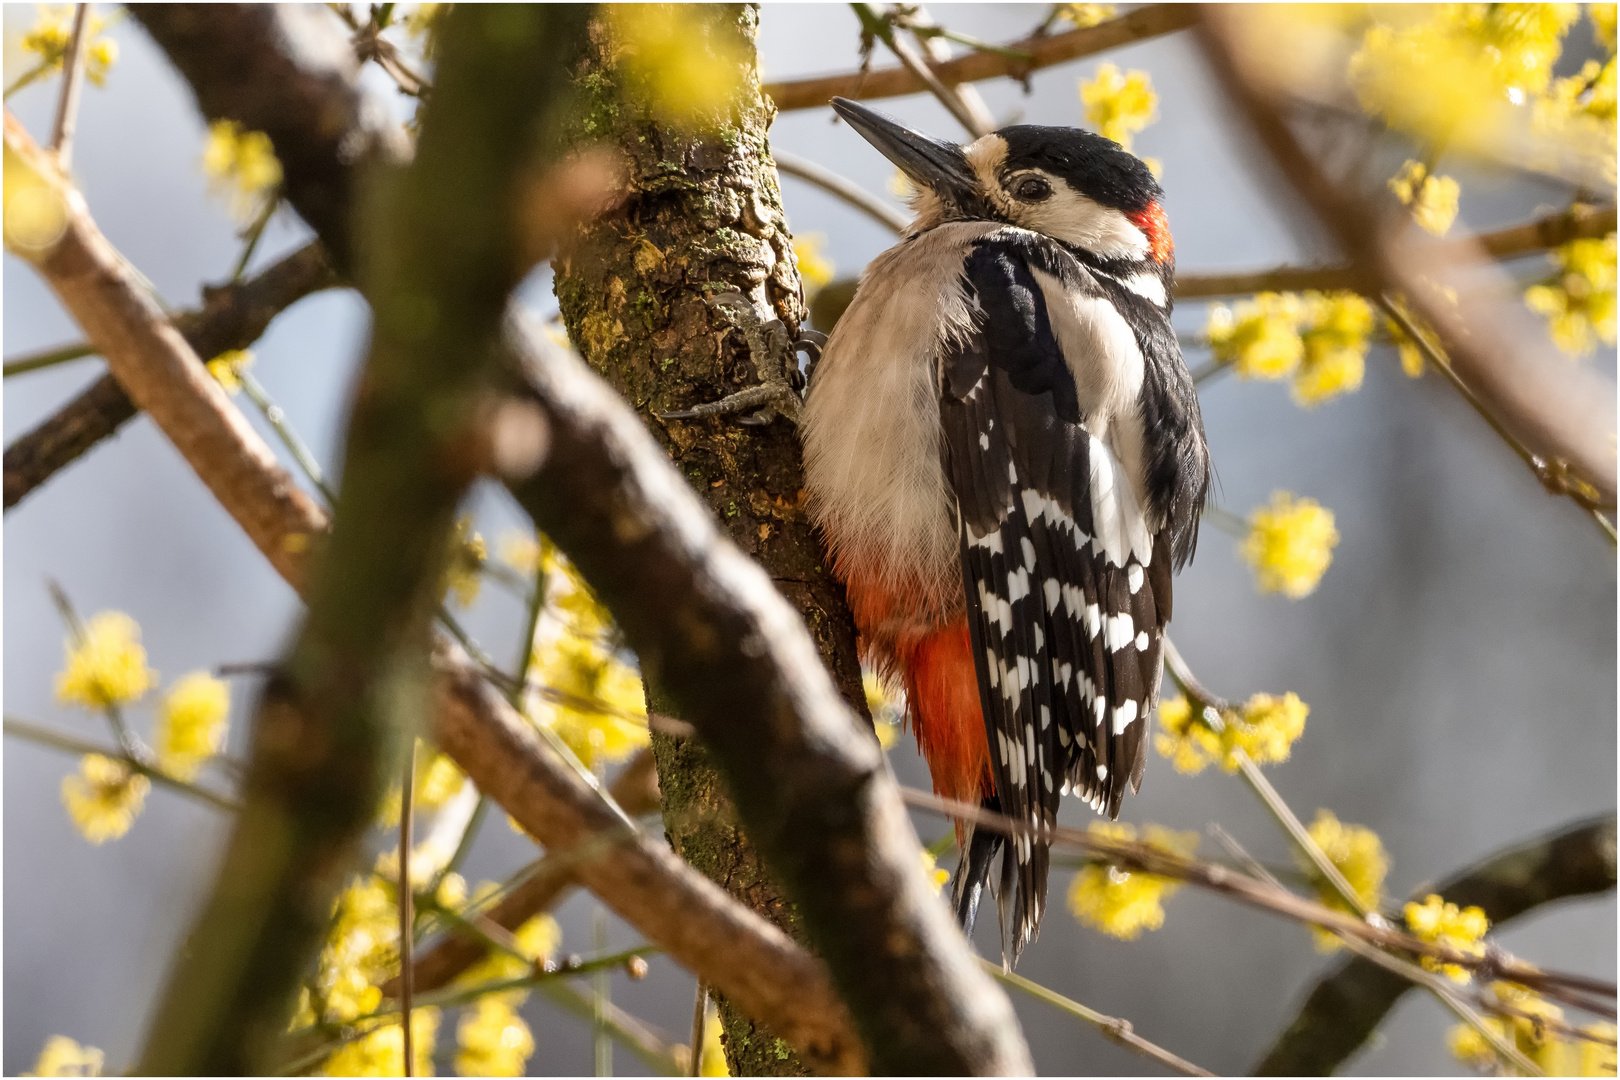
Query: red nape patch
x=1156, y=227
x=942, y=689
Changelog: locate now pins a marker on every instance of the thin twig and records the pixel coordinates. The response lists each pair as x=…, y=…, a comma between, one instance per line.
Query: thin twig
x=1150, y=20
x=48, y=358
x=56, y=740
x=874, y=22
x=1114, y=1028
x=255, y=233
x=1137, y=855
x=846, y=191
x=700, y=1016
x=67, y=106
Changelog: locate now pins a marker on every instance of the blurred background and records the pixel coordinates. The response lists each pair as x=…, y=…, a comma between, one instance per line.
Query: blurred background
x=1458, y=657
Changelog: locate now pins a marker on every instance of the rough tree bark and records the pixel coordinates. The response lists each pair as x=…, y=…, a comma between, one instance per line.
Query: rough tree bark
x=703, y=214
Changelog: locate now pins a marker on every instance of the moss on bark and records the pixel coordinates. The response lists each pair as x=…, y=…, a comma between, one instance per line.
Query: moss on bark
x=703, y=215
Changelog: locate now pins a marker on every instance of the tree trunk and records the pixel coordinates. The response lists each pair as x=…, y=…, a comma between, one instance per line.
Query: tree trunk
x=703, y=215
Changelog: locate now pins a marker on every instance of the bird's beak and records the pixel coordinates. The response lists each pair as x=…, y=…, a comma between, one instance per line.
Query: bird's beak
x=929, y=163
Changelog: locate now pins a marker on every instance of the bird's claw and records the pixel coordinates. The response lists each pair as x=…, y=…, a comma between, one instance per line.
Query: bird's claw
x=774, y=355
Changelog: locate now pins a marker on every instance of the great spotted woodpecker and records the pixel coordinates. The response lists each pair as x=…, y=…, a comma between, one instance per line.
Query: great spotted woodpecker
x=1004, y=450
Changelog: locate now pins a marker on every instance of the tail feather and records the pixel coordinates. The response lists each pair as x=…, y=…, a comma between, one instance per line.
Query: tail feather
x=1017, y=912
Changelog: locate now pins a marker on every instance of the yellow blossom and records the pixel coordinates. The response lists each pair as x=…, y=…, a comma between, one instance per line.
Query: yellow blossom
x=885, y=710
x=1602, y=19
x=1083, y=16
x=1433, y=199
x=1258, y=337
x=105, y=798
x=815, y=268
x=1448, y=73
x=62, y=1056
x=519, y=550
x=1436, y=922
x=243, y=165
x=191, y=726
x=381, y=1051
x=48, y=39
x=1186, y=740
x=1531, y=1036
x=464, y=575
x=1334, y=338
x=1123, y=903
x=1265, y=729
x=1118, y=105
x=228, y=366
x=937, y=876
x=360, y=951
x=493, y=1040
x=1579, y=302
x=1290, y=545
x=712, y=1062
x=536, y=939
x=1594, y=1058
x=572, y=598
x=1358, y=854
x=679, y=58
x=35, y=211
x=602, y=715
x=107, y=666
x=1411, y=354
x=900, y=186
x=438, y=780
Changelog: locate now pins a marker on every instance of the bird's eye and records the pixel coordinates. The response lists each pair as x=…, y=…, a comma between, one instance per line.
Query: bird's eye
x=1032, y=189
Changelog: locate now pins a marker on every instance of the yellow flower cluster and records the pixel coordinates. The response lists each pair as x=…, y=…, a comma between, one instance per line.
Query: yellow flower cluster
x=1532, y=1036
x=1118, y=106
x=1123, y=903
x=493, y=1039
x=1358, y=854
x=243, y=165
x=105, y=798
x=598, y=707
x=1083, y=16
x=438, y=780
x=1433, y=199
x=228, y=366
x=62, y=1056
x=381, y=1051
x=1290, y=545
x=1447, y=72
x=1436, y=922
x=1579, y=301
x=1265, y=729
x=1320, y=339
x=48, y=39
x=1602, y=19
x=106, y=666
x=815, y=268
x=887, y=713
x=464, y=575
x=1411, y=355
x=937, y=875
x=360, y=950
x=191, y=725
x=712, y=1060
x=679, y=57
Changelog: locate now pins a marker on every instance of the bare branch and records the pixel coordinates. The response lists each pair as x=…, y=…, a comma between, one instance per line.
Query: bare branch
x=232, y=317
x=1562, y=413
x=846, y=191
x=1346, y=1006
x=1145, y=22
x=67, y=106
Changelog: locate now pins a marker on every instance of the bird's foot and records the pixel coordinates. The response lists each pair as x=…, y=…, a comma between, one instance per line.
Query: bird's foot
x=775, y=359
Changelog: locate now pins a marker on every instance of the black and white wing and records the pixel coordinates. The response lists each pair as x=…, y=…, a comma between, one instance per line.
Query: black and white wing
x=1067, y=586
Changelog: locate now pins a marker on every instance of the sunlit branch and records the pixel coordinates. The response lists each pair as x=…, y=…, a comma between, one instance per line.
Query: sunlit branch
x=1145, y=22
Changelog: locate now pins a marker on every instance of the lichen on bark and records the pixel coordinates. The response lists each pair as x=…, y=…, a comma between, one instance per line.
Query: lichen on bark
x=703, y=214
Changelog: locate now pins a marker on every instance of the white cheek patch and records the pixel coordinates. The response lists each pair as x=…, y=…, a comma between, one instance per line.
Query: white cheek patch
x=1074, y=219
